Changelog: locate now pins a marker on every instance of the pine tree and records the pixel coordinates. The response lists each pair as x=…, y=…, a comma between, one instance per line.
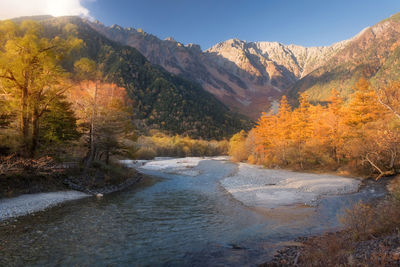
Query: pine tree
x=58, y=124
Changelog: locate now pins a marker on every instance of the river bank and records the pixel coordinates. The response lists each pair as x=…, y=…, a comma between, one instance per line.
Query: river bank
x=197, y=221
x=29, y=204
x=337, y=249
x=272, y=190
x=370, y=237
x=257, y=187
x=30, y=186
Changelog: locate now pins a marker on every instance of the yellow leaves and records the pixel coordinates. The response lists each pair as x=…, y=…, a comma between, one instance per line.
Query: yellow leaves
x=70, y=28
x=389, y=98
x=237, y=147
x=363, y=107
x=331, y=135
x=7, y=30
x=86, y=66
x=31, y=27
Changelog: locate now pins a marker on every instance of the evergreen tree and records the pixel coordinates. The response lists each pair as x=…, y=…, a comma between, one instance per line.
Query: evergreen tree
x=58, y=124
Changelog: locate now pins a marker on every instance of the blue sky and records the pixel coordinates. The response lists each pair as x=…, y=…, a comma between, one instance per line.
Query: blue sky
x=207, y=22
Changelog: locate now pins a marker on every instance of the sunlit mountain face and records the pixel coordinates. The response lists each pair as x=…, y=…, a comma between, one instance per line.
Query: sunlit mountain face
x=251, y=77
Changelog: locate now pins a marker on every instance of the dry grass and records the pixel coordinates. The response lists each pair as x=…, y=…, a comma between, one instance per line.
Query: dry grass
x=364, y=241
x=327, y=250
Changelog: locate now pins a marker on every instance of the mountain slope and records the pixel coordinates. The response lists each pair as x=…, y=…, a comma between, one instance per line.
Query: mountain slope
x=250, y=76
x=245, y=76
x=372, y=54
x=162, y=100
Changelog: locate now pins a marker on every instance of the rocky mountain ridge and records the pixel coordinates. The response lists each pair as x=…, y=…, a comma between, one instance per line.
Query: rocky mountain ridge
x=373, y=54
x=252, y=76
x=247, y=76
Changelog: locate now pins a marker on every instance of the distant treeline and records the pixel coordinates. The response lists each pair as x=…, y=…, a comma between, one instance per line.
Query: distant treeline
x=162, y=145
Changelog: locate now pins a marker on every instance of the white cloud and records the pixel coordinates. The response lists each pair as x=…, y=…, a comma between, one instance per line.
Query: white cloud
x=17, y=8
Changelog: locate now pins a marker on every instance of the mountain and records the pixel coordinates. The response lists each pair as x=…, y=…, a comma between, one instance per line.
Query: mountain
x=252, y=76
x=373, y=54
x=269, y=68
x=247, y=77
x=161, y=100
x=239, y=76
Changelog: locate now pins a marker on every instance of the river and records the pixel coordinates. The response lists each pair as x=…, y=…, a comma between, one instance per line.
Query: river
x=172, y=220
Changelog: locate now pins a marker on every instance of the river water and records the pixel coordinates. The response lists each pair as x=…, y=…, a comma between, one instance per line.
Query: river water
x=171, y=221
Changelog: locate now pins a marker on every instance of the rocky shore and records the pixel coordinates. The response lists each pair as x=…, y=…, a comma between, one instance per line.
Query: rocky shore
x=31, y=203
x=28, y=186
x=370, y=237
x=77, y=184
x=256, y=186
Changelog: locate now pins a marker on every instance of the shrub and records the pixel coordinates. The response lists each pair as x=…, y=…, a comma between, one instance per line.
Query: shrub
x=364, y=221
x=145, y=153
x=237, y=147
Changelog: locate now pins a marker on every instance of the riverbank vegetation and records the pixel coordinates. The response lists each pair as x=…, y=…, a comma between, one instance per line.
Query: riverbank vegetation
x=163, y=145
x=360, y=136
x=55, y=123
x=370, y=238
x=62, y=109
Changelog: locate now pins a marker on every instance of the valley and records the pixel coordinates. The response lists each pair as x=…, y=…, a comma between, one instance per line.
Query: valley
x=121, y=148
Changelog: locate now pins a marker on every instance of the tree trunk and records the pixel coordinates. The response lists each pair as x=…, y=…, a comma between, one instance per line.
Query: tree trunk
x=24, y=120
x=381, y=173
x=92, y=133
x=107, y=156
x=35, y=133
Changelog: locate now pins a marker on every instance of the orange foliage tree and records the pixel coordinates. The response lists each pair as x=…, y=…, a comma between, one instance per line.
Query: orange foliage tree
x=361, y=135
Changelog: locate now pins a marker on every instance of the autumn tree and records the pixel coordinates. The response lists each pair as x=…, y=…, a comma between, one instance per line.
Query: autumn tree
x=302, y=127
x=362, y=135
x=113, y=122
x=284, y=128
x=264, y=135
x=237, y=146
x=389, y=97
x=363, y=107
x=31, y=74
x=105, y=108
x=334, y=123
x=369, y=136
x=88, y=70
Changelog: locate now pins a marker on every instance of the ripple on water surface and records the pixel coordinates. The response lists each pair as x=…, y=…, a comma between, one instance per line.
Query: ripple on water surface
x=180, y=220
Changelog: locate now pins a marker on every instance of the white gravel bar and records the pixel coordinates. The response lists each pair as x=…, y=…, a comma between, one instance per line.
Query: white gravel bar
x=254, y=185
x=30, y=203
x=172, y=164
x=179, y=166
x=258, y=187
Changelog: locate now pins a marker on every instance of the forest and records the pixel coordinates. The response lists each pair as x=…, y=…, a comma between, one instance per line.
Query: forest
x=357, y=136
x=63, y=107
x=62, y=88
x=44, y=108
